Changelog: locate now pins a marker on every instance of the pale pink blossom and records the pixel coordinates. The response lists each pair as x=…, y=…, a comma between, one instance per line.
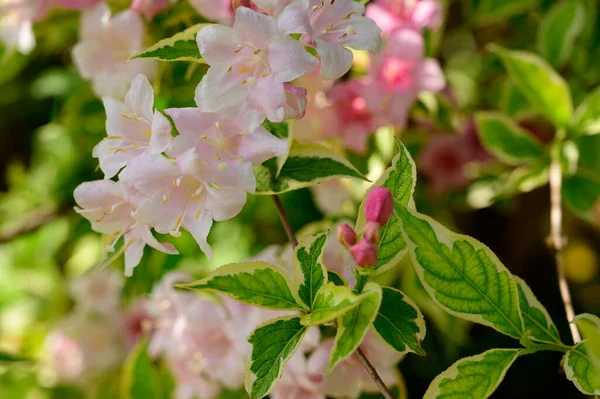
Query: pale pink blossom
x=443, y=161
x=250, y=62
x=295, y=107
x=149, y=8
x=351, y=116
x=349, y=378
x=16, y=22
x=391, y=15
x=400, y=73
x=106, y=44
x=107, y=206
x=346, y=235
x=301, y=379
x=98, y=291
x=220, y=11
x=364, y=253
x=316, y=118
x=335, y=27
x=64, y=357
x=136, y=322
x=132, y=127
x=229, y=142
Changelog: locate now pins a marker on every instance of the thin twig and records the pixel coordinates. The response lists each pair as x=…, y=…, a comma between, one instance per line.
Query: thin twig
x=285, y=221
x=363, y=359
x=557, y=241
x=373, y=373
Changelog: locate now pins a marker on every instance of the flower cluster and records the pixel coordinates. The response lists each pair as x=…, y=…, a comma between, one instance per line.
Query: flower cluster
x=355, y=108
x=378, y=210
x=203, y=175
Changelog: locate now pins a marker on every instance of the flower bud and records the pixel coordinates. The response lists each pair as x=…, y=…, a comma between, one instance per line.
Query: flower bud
x=346, y=235
x=364, y=253
x=371, y=232
x=379, y=206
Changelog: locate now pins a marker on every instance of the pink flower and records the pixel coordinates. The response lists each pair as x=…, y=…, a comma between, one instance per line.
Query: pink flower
x=149, y=8
x=443, y=161
x=105, y=46
x=391, y=15
x=335, y=26
x=379, y=206
x=229, y=142
x=220, y=11
x=365, y=253
x=250, y=62
x=98, y=291
x=400, y=73
x=132, y=127
x=310, y=128
x=16, y=22
x=349, y=378
x=65, y=357
x=105, y=204
x=301, y=379
x=351, y=117
x=295, y=104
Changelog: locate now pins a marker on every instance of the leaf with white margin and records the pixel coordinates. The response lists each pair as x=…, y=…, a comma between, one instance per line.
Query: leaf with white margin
x=543, y=86
x=400, y=178
x=461, y=274
x=306, y=165
x=273, y=343
x=353, y=325
x=180, y=47
x=587, y=115
x=475, y=377
x=308, y=269
x=331, y=302
x=589, y=326
x=535, y=316
x=254, y=283
x=399, y=322
x=582, y=370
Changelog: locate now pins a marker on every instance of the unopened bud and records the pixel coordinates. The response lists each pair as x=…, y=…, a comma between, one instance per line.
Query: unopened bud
x=364, y=253
x=371, y=232
x=346, y=235
x=379, y=206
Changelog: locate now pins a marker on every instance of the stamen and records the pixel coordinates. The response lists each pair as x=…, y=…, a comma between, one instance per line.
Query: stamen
x=243, y=132
x=257, y=51
x=218, y=124
x=252, y=81
x=240, y=47
x=229, y=69
x=177, y=182
x=347, y=17
x=112, y=137
x=203, y=137
x=165, y=198
x=240, y=159
x=118, y=150
x=223, y=167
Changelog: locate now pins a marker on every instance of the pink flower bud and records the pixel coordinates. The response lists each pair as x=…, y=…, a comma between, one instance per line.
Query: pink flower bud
x=364, y=253
x=371, y=232
x=379, y=206
x=346, y=235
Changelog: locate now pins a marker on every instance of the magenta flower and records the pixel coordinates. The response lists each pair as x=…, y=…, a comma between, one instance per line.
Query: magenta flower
x=346, y=235
x=250, y=62
x=379, y=206
x=365, y=253
x=391, y=15
x=132, y=127
x=443, y=161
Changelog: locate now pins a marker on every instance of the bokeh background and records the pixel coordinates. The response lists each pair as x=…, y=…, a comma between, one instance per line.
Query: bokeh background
x=50, y=121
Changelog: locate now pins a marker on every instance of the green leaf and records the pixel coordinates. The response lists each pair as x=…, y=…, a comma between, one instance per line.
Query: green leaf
x=559, y=29
x=400, y=178
x=399, y=322
x=461, y=274
x=273, y=343
x=353, y=325
x=180, y=47
x=336, y=278
x=497, y=10
x=543, y=87
x=306, y=165
x=514, y=103
x=581, y=192
x=581, y=370
x=587, y=115
x=140, y=379
x=535, y=316
x=330, y=302
x=255, y=283
x=506, y=140
x=308, y=267
x=6, y=357
x=589, y=326
x=475, y=377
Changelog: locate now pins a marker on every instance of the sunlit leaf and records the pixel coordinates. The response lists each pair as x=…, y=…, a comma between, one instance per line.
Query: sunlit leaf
x=180, y=47
x=559, y=29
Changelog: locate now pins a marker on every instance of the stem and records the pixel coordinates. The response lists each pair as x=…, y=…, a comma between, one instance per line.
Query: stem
x=373, y=373
x=285, y=221
x=363, y=359
x=557, y=241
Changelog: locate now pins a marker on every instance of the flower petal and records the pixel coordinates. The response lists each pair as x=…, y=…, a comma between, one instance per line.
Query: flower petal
x=225, y=203
x=289, y=60
x=260, y=145
x=140, y=97
x=161, y=133
x=217, y=44
x=219, y=89
x=268, y=97
x=335, y=60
